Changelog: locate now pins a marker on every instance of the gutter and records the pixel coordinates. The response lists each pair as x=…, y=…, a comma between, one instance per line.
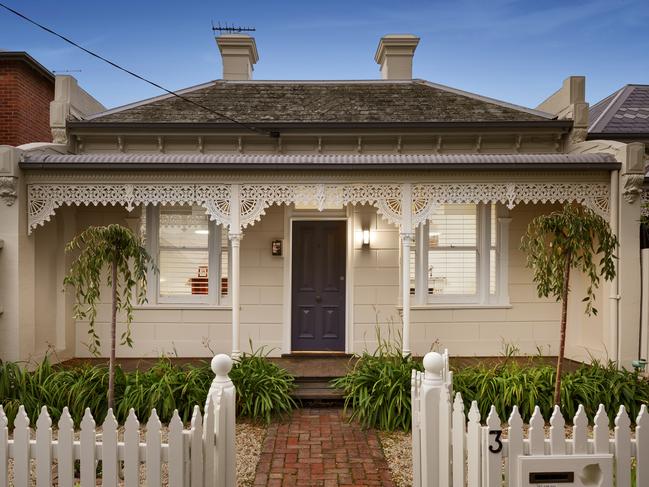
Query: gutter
x=564, y=125
x=572, y=166
x=615, y=136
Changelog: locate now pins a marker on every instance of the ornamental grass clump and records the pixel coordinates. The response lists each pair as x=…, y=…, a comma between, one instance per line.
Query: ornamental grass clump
x=264, y=389
x=527, y=385
x=377, y=387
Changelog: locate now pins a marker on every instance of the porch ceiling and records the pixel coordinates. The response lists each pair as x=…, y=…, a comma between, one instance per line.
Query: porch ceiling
x=108, y=161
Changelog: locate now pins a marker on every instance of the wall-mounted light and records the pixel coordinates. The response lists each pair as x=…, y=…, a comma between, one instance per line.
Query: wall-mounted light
x=201, y=232
x=366, y=237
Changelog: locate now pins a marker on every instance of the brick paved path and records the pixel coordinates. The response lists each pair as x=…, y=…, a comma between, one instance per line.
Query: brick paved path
x=318, y=447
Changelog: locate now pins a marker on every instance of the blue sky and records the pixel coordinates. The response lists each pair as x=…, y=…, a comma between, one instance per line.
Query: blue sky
x=514, y=50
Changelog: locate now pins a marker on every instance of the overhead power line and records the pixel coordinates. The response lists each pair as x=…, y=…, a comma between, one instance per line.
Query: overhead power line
x=135, y=75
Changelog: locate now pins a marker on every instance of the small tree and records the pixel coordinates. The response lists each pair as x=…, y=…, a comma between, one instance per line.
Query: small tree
x=119, y=249
x=571, y=238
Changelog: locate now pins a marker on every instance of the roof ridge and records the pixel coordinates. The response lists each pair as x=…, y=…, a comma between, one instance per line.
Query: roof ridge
x=608, y=112
x=487, y=99
x=152, y=99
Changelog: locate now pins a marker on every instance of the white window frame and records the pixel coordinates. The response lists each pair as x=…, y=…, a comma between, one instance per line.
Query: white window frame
x=213, y=296
x=482, y=297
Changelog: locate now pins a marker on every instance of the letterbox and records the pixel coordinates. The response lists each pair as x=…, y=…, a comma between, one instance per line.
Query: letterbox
x=565, y=470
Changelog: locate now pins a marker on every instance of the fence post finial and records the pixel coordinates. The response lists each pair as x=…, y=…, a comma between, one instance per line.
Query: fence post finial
x=433, y=365
x=221, y=366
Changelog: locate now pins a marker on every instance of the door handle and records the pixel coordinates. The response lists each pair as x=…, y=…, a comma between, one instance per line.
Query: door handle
x=318, y=299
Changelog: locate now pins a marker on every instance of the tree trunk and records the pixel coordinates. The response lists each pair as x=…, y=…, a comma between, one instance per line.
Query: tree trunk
x=113, y=326
x=562, y=342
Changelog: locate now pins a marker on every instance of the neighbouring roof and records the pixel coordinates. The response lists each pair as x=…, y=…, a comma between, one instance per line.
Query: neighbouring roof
x=40, y=160
x=624, y=112
x=313, y=102
x=30, y=61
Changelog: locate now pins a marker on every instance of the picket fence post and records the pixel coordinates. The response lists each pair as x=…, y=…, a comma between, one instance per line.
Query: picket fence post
x=474, y=447
x=415, y=385
x=642, y=446
x=429, y=400
x=4, y=448
x=65, y=449
x=223, y=395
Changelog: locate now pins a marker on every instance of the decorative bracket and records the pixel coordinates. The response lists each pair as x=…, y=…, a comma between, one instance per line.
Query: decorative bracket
x=8, y=192
x=632, y=187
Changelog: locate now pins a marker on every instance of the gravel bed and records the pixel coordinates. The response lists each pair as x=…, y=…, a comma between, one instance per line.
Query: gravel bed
x=249, y=438
x=397, y=448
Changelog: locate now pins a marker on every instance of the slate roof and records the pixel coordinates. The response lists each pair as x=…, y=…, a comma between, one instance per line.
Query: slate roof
x=321, y=102
x=624, y=112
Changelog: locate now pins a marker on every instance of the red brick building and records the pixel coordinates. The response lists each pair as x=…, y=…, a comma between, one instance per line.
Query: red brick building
x=26, y=90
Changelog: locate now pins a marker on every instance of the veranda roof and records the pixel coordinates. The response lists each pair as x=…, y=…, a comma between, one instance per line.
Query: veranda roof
x=130, y=161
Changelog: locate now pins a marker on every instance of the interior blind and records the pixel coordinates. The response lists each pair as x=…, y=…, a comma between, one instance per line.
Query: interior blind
x=452, y=254
x=184, y=253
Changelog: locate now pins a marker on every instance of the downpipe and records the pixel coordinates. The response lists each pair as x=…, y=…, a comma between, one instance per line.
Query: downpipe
x=614, y=296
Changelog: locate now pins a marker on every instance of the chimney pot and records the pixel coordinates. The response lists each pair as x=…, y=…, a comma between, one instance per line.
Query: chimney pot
x=394, y=55
x=238, y=54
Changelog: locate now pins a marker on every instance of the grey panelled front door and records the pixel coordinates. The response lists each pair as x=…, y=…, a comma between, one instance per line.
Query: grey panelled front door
x=318, y=286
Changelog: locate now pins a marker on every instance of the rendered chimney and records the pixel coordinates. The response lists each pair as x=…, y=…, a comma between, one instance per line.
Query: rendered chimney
x=394, y=55
x=239, y=54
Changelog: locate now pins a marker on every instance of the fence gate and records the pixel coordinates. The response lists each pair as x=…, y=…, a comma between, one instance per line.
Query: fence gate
x=453, y=450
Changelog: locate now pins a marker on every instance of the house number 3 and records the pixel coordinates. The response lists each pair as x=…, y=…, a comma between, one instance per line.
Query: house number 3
x=497, y=447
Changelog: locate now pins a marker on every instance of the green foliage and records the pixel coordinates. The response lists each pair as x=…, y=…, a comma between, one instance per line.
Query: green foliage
x=263, y=389
x=377, y=388
x=101, y=247
x=575, y=235
x=526, y=385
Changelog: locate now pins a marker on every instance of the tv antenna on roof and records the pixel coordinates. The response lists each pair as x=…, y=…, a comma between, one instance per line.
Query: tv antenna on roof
x=231, y=29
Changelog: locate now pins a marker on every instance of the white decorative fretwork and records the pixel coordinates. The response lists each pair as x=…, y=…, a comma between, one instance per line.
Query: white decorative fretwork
x=44, y=199
x=427, y=196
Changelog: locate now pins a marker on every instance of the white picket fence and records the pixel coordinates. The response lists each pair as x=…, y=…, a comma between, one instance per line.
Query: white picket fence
x=201, y=456
x=449, y=451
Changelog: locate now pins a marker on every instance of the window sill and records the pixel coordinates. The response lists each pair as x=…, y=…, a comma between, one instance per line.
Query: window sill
x=182, y=306
x=457, y=306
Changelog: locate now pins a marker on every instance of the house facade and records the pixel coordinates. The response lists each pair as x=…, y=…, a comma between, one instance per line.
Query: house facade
x=317, y=216
x=623, y=117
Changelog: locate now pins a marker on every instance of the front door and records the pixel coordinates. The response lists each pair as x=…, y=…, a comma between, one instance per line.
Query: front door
x=318, y=286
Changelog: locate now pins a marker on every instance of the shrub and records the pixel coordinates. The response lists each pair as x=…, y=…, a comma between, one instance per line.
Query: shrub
x=377, y=388
x=263, y=388
x=526, y=385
